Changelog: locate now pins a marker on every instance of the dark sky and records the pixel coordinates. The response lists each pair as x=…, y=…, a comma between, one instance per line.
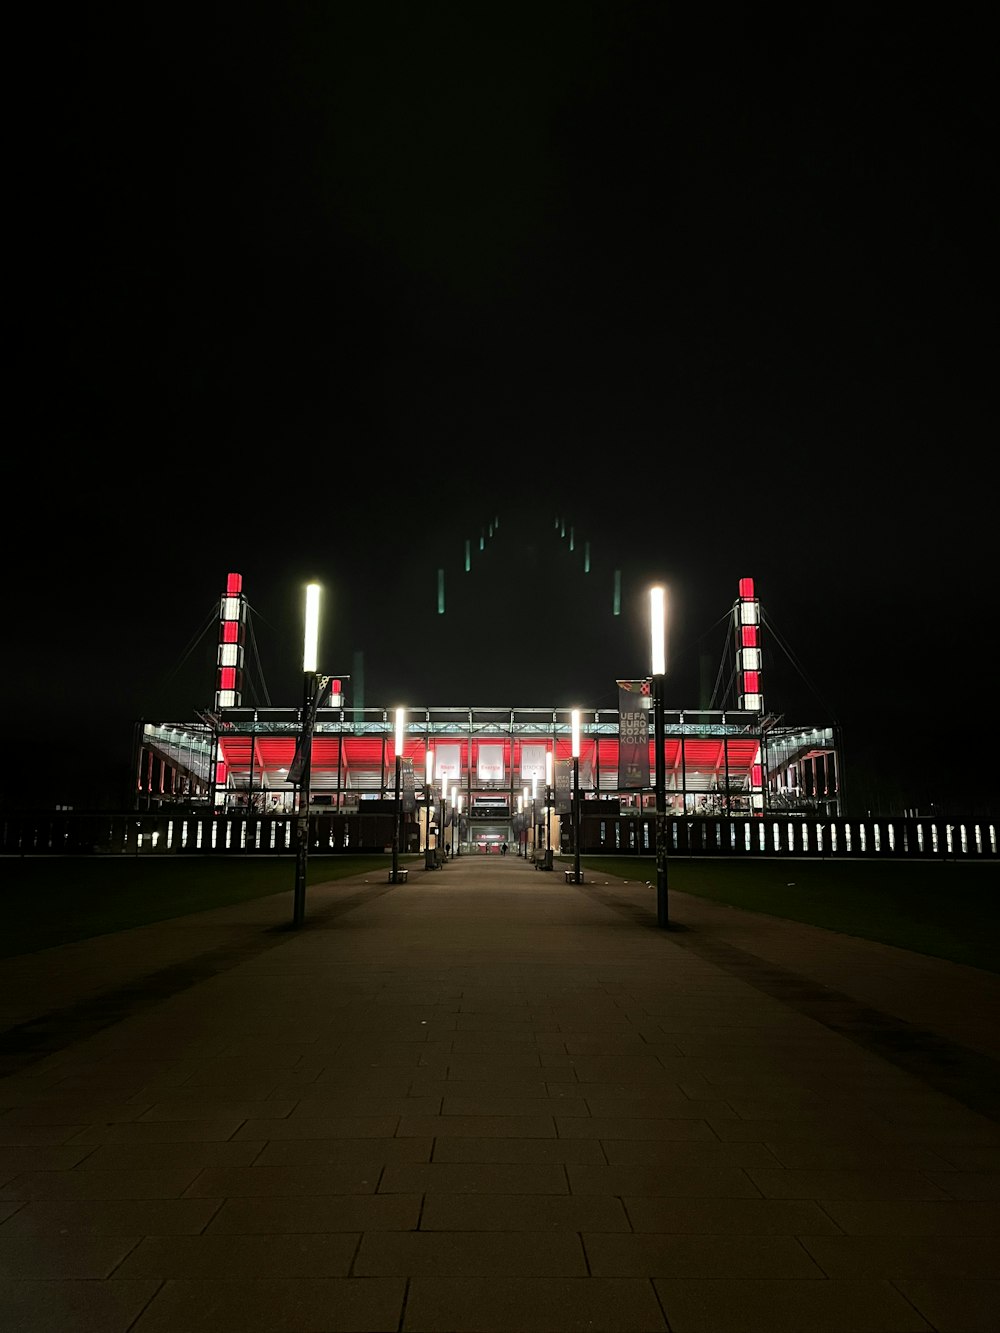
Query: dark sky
x=318, y=292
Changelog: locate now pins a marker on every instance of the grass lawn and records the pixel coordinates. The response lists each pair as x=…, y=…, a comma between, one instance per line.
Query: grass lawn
x=945, y=909
x=49, y=900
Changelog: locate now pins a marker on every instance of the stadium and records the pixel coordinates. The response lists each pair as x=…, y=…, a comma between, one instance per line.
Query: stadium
x=471, y=780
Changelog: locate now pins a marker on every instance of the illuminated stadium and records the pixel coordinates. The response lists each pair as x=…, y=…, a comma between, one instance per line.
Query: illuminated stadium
x=476, y=778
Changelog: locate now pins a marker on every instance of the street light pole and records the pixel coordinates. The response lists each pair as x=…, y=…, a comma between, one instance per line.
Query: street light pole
x=309, y=665
x=534, y=819
x=428, y=783
x=548, y=809
x=576, y=795
x=658, y=642
x=400, y=720
x=444, y=796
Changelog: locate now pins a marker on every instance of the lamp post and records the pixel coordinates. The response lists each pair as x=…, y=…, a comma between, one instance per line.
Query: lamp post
x=457, y=816
x=576, y=795
x=441, y=835
x=534, y=819
x=428, y=784
x=309, y=663
x=397, y=814
x=658, y=643
x=548, y=809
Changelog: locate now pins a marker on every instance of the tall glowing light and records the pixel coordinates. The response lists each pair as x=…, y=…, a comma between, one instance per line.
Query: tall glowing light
x=575, y=733
x=310, y=648
x=397, y=813
x=444, y=797
x=658, y=662
x=428, y=794
x=303, y=762
x=548, y=809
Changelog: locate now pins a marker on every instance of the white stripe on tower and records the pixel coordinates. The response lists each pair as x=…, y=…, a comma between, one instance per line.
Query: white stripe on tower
x=232, y=637
x=748, y=662
x=748, y=648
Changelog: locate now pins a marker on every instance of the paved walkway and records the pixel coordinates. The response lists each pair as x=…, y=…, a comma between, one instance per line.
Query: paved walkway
x=489, y=1101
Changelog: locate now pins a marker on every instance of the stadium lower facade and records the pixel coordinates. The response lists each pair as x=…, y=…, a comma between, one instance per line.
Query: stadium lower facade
x=478, y=778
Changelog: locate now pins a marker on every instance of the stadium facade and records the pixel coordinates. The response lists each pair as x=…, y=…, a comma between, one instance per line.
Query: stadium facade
x=476, y=778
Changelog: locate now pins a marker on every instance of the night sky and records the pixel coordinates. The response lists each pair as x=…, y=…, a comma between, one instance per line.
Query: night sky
x=322, y=292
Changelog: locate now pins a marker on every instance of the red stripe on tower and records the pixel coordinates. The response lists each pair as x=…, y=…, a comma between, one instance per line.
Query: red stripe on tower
x=232, y=637
x=747, y=626
x=747, y=616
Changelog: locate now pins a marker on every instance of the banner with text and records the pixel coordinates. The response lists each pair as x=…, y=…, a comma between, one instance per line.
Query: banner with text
x=448, y=762
x=490, y=763
x=532, y=761
x=633, y=734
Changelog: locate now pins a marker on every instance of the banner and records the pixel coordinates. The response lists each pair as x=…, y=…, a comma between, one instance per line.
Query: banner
x=634, y=701
x=448, y=761
x=490, y=765
x=533, y=762
x=563, y=778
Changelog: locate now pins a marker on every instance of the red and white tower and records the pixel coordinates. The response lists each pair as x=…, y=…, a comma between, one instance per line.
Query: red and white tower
x=232, y=641
x=747, y=616
x=747, y=626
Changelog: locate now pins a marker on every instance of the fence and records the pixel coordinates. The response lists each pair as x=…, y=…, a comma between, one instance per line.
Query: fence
x=888, y=838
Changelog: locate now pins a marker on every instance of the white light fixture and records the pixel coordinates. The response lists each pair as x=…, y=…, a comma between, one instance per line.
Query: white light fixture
x=311, y=645
x=658, y=629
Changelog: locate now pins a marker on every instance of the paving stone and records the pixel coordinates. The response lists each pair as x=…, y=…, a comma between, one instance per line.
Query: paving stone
x=317, y=1213
x=228, y=1256
x=274, y=1305
x=697, y=1256
x=531, y=1305
x=786, y=1305
x=81, y=1306
x=522, y=1212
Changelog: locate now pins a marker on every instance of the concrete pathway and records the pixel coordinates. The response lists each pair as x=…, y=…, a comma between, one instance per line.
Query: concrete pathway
x=487, y=1100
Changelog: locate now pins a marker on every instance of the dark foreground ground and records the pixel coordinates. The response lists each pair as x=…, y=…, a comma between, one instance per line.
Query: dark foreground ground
x=490, y=1100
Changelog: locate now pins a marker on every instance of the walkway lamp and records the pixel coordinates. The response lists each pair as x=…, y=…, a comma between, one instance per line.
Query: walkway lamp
x=397, y=810
x=576, y=795
x=658, y=646
x=549, y=798
x=310, y=650
x=458, y=823
x=441, y=823
x=428, y=785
